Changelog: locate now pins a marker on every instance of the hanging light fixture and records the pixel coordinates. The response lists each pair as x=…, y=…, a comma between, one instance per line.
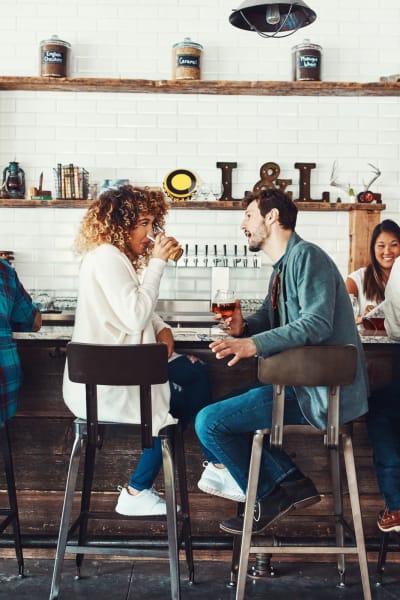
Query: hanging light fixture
x=272, y=19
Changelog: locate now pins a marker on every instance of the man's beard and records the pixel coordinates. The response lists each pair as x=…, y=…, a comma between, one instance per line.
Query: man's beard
x=255, y=247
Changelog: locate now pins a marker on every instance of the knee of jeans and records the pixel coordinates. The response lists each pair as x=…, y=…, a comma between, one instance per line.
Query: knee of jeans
x=200, y=423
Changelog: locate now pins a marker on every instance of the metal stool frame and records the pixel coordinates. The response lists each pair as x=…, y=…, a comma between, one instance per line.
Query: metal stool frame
x=330, y=366
x=143, y=365
x=10, y=515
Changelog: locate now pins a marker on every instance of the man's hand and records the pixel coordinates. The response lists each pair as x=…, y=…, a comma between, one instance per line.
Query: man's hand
x=235, y=323
x=165, y=337
x=240, y=348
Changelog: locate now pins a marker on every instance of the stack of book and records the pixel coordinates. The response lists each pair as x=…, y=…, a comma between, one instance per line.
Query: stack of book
x=71, y=182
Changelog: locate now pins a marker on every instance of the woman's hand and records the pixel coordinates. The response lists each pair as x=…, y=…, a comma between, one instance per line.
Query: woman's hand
x=163, y=246
x=165, y=337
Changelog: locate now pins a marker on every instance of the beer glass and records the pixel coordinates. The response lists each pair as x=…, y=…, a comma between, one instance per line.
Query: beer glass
x=223, y=304
x=176, y=253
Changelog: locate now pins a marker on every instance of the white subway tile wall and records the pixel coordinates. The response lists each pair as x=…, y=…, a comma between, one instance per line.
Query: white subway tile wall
x=142, y=137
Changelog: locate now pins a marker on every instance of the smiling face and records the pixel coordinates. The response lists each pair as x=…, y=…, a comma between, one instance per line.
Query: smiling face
x=254, y=227
x=138, y=241
x=387, y=249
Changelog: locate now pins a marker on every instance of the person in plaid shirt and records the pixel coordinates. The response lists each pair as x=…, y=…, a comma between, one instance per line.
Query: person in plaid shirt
x=17, y=313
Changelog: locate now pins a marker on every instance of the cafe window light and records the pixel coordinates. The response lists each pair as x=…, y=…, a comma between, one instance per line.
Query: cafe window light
x=272, y=19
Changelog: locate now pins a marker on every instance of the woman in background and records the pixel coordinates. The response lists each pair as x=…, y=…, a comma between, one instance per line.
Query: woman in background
x=367, y=284
x=119, y=279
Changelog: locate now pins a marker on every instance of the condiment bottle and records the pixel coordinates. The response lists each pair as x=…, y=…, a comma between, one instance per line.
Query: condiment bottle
x=54, y=57
x=186, y=61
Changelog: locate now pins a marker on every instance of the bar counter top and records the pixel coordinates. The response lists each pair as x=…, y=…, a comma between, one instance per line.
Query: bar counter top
x=50, y=333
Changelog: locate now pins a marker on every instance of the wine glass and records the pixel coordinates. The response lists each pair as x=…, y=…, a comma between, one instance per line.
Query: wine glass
x=355, y=304
x=216, y=189
x=223, y=304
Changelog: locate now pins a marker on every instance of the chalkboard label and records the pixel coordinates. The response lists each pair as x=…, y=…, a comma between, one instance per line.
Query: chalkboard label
x=188, y=60
x=53, y=56
x=308, y=62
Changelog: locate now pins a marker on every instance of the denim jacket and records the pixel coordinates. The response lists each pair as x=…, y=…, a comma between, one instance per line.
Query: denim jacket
x=315, y=310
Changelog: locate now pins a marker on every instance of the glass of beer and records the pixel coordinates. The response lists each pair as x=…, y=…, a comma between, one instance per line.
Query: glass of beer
x=176, y=253
x=223, y=304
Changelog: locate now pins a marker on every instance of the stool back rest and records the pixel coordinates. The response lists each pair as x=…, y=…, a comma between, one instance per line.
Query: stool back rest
x=134, y=364
x=330, y=366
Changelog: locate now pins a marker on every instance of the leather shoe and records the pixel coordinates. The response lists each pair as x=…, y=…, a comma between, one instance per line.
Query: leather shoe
x=297, y=494
x=389, y=521
x=302, y=492
x=266, y=511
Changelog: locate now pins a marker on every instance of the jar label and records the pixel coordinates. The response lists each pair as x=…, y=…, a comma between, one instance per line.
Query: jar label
x=188, y=60
x=53, y=56
x=308, y=62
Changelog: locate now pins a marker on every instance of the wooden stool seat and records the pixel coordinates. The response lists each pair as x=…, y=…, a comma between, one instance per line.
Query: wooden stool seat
x=330, y=366
x=143, y=365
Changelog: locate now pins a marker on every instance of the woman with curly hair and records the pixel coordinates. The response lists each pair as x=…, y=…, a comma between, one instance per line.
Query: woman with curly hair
x=368, y=283
x=119, y=281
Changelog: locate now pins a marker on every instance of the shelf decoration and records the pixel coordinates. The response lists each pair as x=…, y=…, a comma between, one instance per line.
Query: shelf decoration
x=71, y=182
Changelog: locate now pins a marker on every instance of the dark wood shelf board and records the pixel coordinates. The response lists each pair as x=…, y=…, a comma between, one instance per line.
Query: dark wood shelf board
x=245, y=88
x=192, y=205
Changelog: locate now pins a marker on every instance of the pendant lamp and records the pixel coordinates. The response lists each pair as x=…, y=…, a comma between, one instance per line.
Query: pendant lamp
x=272, y=19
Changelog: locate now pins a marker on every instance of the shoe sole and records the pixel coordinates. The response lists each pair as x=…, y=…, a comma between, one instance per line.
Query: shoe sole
x=307, y=502
x=214, y=492
x=388, y=529
x=236, y=532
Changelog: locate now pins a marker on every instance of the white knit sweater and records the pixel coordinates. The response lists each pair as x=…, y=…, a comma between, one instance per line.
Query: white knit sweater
x=392, y=302
x=115, y=307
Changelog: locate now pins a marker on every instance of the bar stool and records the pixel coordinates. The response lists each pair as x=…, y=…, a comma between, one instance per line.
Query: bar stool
x=330, y=366
x=10, y=515
x=383, y=550
x=142, y=365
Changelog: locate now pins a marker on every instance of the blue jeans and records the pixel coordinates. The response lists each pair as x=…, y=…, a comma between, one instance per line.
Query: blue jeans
x=190, y=392
x=383, y=421
x=225, y=428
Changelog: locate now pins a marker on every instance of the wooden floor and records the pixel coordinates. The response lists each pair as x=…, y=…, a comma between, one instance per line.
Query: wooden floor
x=128, y=580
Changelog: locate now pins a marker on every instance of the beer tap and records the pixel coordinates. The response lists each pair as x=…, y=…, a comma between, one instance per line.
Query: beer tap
x=205, y=260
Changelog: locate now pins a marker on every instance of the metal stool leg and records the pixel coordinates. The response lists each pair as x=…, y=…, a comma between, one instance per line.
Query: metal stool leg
x=88, y=474
x=383, y=548
x=66, y=515
x=356, y=513
x=187, y=531
x=254, y=472
x=337, y=492
x=170, y=498
x=13, y=515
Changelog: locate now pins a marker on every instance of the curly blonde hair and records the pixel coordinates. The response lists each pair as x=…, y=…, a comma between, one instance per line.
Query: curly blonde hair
x=111, y=217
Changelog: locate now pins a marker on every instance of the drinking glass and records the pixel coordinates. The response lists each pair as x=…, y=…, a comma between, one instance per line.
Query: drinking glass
x=176, y=253
x=223, y=304
x=355, y=304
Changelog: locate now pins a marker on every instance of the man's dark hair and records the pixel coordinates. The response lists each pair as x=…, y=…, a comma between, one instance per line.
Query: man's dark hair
x=270, y=198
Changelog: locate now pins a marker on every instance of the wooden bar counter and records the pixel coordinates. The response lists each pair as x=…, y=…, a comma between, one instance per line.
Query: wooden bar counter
x=42, y=434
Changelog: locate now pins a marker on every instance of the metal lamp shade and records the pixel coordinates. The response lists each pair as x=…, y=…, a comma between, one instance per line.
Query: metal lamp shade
x=251, y=15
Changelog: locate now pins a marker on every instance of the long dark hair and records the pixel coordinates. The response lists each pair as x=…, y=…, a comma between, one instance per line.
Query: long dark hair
x=374, y=278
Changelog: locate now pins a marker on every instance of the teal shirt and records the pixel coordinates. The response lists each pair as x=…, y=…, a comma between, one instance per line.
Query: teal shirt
x=315, y=309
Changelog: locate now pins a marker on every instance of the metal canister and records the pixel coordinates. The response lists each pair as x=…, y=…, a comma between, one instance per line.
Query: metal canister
x=306, y=61
x=186, y=59
x=54, y=57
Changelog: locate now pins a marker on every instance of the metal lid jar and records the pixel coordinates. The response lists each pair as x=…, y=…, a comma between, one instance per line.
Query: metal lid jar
x=54, y=57
x=186, y=63
x=306, y=61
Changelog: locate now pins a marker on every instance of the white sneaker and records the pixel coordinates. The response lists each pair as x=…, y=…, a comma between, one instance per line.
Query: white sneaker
x=220, y=482
x=147, y=502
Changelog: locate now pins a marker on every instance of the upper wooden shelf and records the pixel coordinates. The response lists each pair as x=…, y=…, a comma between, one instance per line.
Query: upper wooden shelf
x=193, y=205
x=244, y=88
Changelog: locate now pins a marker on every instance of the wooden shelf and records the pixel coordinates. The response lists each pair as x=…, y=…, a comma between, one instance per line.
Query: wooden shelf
x=192, y=205
x=228, y=88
